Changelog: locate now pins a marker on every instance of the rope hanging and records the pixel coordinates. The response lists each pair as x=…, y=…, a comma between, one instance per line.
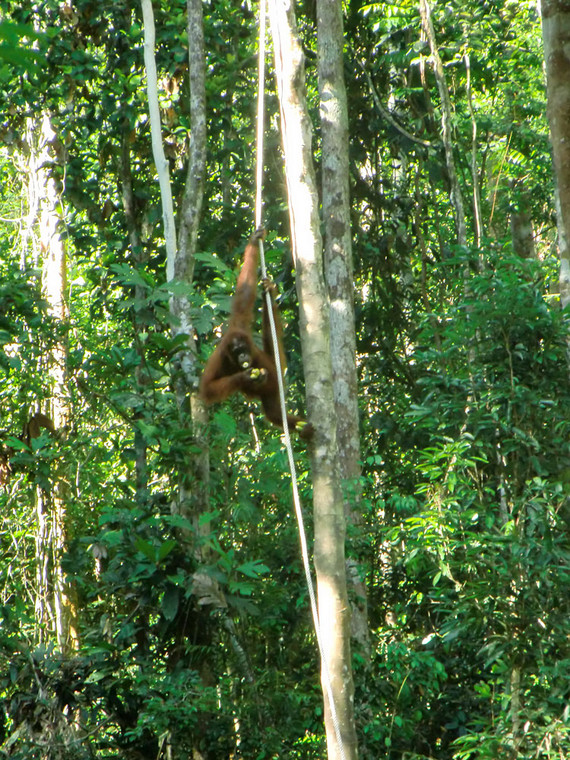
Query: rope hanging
x=276, y=356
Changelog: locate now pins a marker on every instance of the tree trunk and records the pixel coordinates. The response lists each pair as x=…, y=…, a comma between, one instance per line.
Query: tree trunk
x=329, y=519
x=556, y=38
x=522, y=231
x=339, y=276
x=160, y=161
x=193, y=482
x=195, y=178
x=477, y=215
x=337, y=238
x=45, y=151
x=446, y=127
x=135, y=241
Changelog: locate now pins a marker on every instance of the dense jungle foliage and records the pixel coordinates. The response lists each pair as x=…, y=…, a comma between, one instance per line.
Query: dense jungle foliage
x=464, y=399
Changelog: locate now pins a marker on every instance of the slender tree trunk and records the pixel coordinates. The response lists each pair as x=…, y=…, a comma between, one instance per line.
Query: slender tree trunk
x=477, y=216
x=337, y=237
x=50, y=243
x=195, y=178
x=339, y=276
x=43, y=607
x=196, y=480
x=455, y=188
x=156, y=135
x=30, y=250
x=329, y=518
x=193, y=483
x=556, y=38
x=522, y=231
x=135, y=241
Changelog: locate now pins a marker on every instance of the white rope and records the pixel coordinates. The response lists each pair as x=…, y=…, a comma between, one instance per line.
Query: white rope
x=277, y=357
x=260, y=128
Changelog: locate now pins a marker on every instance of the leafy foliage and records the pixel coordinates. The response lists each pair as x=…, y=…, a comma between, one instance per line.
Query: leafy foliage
x=194, y=631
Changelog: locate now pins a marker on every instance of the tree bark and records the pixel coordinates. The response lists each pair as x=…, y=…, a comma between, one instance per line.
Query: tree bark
x=45, y=151
x=337, y=238
x=339, y=276
x=329, y=518
x=556, y=38
x=195, y=482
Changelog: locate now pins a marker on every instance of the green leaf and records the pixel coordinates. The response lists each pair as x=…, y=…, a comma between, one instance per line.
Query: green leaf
x=146, y=548
x=170, y=603
x=253, y=569
x=166, y=548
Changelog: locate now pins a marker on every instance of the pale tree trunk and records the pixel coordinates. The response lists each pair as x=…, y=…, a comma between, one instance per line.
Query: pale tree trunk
x=30, y=248
x=45, y=232
x=556, y=38
x=339, y=277
x=160, y=160
x=195, y=483
x=193, y=493
x=329, y=518
x=337, y=232
x=477, y=216
x=446, y=125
